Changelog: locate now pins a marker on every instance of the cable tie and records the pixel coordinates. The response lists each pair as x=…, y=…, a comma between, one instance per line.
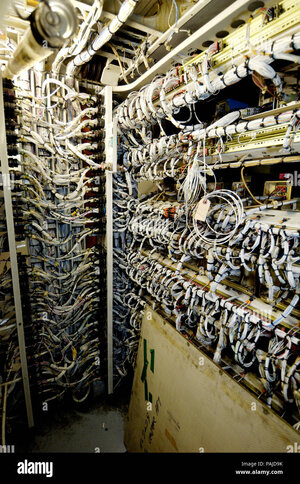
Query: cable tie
x=272, y=53
x=292, y=44
x=247, y=65
x=222, y=80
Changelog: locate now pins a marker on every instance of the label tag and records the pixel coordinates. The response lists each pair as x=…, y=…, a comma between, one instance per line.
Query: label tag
x=201, y=210
x=74, y=353
x=3, y=34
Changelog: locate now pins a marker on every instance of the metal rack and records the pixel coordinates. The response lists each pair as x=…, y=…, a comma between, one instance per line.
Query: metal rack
x=13, y=260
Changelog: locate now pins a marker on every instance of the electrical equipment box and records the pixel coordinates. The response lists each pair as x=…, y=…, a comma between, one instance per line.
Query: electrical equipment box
x=278, y=190
x=239, y=187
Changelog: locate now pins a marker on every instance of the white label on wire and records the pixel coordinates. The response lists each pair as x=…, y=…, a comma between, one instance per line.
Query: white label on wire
x=44, y=316
x=202, y=210
x=128, y=180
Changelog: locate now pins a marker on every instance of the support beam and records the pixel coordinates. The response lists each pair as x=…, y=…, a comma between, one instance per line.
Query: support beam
x=192, y=42
x=111, y=158
x=180, y=24
x=135, y=23
x=13, y=259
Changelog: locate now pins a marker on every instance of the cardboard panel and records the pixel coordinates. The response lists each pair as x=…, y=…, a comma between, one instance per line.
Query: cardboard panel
x=183, y=402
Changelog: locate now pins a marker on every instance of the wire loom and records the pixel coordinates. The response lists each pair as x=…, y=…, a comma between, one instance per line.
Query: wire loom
x=223, y=324
x=59, y=197
x=230, y=248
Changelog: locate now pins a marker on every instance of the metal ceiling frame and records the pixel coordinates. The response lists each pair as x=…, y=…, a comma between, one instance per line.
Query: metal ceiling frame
x=203, y=33
x=181, y=22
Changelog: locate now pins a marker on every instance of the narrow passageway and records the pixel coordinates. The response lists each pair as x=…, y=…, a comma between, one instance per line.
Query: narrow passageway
x=97, y=427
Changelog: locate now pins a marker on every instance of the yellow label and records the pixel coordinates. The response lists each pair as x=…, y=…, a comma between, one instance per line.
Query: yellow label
x=32, y=3
x=3, y=35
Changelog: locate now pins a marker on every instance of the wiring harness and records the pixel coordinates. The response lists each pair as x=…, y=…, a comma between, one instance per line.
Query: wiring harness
x=61, y=192
x=215, y=256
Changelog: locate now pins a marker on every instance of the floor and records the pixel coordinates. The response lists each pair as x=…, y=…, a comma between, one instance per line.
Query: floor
x=98, y=428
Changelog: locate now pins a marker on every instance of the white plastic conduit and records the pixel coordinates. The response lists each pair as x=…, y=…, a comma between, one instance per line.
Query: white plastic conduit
x=105, y=35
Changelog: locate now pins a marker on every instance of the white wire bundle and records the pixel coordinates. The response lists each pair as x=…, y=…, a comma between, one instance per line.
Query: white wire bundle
x=85, y=28
x=293, y=124
x=227, y=200
x=222, y=322
x=70, y=95
x=77, y=130
x=151, y=91
x=77, y=152
x=281, y=47
x=81, y=39
x=215, y=131
x=213, y=83
x=193, y=184
x=286, y=312
x=85, y=112
x=105, y=35
x=171, y=81
x=210, y=82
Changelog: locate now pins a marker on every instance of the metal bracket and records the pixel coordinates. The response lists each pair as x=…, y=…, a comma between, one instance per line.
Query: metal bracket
x=13, y=259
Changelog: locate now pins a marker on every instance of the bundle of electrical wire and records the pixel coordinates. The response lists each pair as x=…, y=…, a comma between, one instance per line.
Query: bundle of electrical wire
x=154, y=105
x=61, y=210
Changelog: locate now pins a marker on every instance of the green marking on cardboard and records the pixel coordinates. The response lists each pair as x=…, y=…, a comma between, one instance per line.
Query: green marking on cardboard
x=150, y=397
x=146, y=390
x=143, y=375
x=152, y=352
